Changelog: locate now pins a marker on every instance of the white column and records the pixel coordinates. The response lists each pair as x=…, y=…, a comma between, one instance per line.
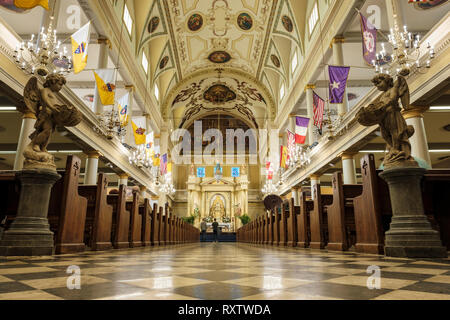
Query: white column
x=102, y=64
x=143, y=193
x=91, y=169
x=419, y=142
x=394, y=13
x=315, y=180
x=123, y=179
x=28, y=121
x=310, y=109
x=348, y=167
x=338, y=60
x=295, y=196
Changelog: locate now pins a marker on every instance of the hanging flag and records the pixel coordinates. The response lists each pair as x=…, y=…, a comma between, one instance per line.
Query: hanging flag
x=338, y=83
x=163, y=166
x=268, y=165
x=30, y=4
x=80, y=45
x=301, y=129
x=149, y=141
x=156, y=156
x=369, y=34
x=105, y=85
x=139, y=134
x=284, y=156
x=290, y=144
x=318, y=109
x=122, y=105
x=169, y=167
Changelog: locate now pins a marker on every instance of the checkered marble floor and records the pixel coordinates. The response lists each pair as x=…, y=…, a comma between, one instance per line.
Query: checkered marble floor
x=223, y=271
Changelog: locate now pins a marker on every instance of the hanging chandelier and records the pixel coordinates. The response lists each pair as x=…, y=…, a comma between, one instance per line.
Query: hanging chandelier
x=43, y=54
x=165, y=184
x=405, y=56
x=301, y=157
x=270, y=187
x=140, y=158
x=109, y=125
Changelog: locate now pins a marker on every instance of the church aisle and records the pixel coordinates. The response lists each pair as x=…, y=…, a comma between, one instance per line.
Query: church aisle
x=221, y=272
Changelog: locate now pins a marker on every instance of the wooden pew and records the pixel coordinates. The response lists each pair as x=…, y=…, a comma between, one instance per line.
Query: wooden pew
x=9, y=197
x=155, y=226
x=67, y=210
x=161, y=226
x=271, y=226
x=266, y=227
x=121, y=219
x=145, y=211
x=283, y=223
x=341, y=217
x=135, y=230
x=99, y=214
x=304, y=221
x=370, y=207
x=261, y=230
x=292, y=224
x=318, y=219
x=171, y=226
x=436, y=198
x=276, y=225
x=373, y=208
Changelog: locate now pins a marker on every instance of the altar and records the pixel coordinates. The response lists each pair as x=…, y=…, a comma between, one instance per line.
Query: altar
x=222, y=199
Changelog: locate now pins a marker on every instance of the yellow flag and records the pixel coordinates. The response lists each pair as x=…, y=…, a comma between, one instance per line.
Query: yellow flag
x=139, y=134
x=284, y=156
x=29, y=4
x=105, y=86
x=80, y=45
x=169, y=167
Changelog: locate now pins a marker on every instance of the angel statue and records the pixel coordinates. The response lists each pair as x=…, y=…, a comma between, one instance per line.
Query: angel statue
x=386, y=112
x=50, y=112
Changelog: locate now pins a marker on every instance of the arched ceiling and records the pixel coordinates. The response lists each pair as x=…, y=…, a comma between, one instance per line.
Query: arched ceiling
x=186, y=37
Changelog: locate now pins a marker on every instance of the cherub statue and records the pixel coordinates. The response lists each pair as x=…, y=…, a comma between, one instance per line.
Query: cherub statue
x=386, y=112
x=50, y=112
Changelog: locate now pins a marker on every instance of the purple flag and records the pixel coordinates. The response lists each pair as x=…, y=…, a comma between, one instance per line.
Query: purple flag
x=369, y=34
x=338, y=82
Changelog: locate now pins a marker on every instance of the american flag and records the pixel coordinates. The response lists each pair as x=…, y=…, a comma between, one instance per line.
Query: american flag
x=318, y=107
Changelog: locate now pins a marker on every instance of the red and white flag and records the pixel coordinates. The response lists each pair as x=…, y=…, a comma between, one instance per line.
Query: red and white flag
x=290, y=144
x=301, y=129
x=318, y=108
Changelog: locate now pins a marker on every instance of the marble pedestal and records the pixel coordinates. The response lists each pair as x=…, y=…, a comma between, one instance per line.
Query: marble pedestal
x=410, y=234
x=29, y=234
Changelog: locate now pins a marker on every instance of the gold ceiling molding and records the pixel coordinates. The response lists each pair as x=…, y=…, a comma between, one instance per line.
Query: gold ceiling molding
x=166, y=105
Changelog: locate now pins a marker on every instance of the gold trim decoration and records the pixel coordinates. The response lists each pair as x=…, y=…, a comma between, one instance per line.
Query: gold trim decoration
x=414, y=112
x=348, y=155
x=165, y=106
x=338, y=39
x=123, y=176
x=93, y=154
x=105, y=41
x=314, y=177
x=28, y=115
x=310, y=86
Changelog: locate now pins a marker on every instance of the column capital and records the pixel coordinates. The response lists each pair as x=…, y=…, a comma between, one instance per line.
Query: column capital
x=347, y=155
x=28, y=115
x=129, y=87
x=157, y=136
x=310, y=86
x=93, y=154
x=315, y=177
x=295, y=189
x=123, y=175
x=337, y=39
x=142, y=188
x=104, y=41
x=415, y=112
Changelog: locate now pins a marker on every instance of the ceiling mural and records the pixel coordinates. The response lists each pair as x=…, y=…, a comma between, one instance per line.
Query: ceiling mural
x=165, y=62
x=285, y=24
x=273, y=60
x=220, y=32
x=218, y=93
x=155, y=25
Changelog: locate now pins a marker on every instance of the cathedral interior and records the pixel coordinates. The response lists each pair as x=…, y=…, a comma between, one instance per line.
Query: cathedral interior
x=310, y=137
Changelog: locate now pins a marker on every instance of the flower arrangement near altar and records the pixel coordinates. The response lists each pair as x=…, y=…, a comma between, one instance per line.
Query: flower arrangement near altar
x=226, y=219
x=209, y=219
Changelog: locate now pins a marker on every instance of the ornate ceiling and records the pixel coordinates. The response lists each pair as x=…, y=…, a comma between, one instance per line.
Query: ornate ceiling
x=199, y=37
